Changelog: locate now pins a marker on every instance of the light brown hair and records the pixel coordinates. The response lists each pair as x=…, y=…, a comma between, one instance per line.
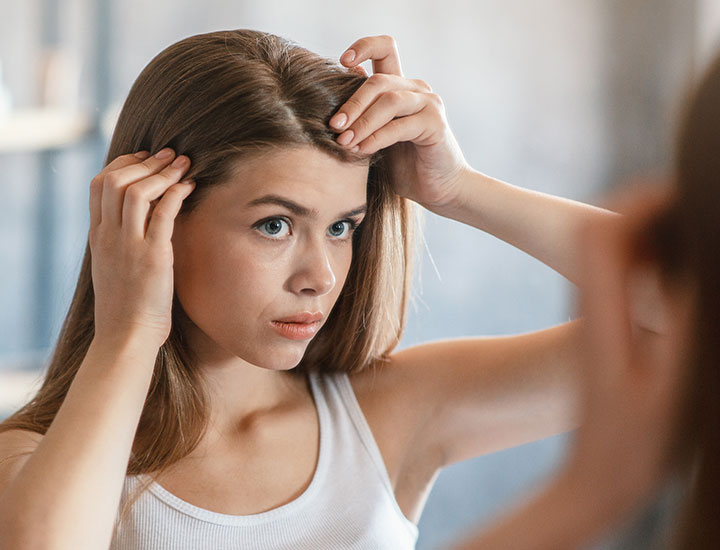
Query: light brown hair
x=685, y=240
x=220, y=98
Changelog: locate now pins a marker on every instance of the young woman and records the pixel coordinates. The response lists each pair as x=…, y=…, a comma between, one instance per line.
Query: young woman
x=650, y=412
x=226, y=370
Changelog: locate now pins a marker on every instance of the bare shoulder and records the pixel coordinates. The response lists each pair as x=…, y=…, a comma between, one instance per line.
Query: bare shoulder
x=16, y=446
x=393, y=404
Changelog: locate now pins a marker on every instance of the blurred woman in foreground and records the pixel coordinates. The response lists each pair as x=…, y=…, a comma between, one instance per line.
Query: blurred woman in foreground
x=650, y=297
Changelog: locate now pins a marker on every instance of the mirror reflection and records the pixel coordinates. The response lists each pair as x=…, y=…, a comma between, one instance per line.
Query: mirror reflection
x=308, y=291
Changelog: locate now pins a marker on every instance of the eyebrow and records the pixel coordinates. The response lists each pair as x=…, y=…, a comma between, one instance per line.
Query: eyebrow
x=298, y=209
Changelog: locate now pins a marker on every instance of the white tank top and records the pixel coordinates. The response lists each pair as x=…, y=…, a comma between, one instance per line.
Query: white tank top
x=349, y=504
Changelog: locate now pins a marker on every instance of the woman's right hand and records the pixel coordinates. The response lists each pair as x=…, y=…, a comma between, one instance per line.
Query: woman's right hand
x=130, y=242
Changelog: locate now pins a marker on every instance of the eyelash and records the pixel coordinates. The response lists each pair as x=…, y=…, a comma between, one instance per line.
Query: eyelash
x=351, y=231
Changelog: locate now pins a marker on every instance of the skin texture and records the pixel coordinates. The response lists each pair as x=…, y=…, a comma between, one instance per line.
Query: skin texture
x=235, y=272
x=430, y=406
x=636, y=328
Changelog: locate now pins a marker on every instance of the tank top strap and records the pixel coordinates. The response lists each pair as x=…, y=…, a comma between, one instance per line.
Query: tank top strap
x=354, y=449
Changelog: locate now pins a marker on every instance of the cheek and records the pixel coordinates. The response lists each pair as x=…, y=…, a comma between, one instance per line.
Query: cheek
x=341, y=267
x=216, y=283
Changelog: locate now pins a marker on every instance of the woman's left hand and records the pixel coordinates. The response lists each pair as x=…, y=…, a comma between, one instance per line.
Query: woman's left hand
x=391, y=110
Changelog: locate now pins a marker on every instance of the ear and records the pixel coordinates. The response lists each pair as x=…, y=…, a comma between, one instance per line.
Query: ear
x=648, y=305
x=639, y=204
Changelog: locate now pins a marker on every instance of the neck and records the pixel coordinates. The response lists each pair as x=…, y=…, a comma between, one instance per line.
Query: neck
x=239, y=392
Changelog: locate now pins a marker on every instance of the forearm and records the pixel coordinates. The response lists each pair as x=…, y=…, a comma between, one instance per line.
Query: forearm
x=67, y=493
x=542, y=225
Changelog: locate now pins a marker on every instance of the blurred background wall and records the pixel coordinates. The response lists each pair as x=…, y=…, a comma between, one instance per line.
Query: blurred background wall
x=563, y=96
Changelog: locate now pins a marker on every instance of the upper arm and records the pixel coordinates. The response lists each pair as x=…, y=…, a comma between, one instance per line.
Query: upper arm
x=479, y=395
x=16, y=447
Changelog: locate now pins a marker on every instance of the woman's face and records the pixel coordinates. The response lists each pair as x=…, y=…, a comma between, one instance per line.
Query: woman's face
x=271, y=244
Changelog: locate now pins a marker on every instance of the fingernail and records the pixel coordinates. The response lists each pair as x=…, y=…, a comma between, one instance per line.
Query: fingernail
x=339, y=120
x=179, y=162
x=142, y=154
x=355, y=149
x=163, y=153
x=346, y=137
x=348, y=56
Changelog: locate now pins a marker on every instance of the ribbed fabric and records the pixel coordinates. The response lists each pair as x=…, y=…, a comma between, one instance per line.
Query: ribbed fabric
x=349, y=503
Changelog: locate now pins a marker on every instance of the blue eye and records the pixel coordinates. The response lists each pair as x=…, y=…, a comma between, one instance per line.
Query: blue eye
x=341, y=229
x=274, y=227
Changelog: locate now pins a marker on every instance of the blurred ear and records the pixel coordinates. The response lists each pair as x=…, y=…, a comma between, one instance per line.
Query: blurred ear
x=648, y=302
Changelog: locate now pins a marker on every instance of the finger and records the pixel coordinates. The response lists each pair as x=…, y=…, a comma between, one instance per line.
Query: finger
x=96, y=185
x=126, y=160
x=359, y=69
x=388, y=106
x=382, y=50
x=368, y=92
x=140, y=195
x=162, y=221
x=116, y=181
x=417, y=128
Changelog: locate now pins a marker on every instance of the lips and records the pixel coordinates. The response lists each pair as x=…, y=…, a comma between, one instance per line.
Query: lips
x=304, y=317
x=301, y=326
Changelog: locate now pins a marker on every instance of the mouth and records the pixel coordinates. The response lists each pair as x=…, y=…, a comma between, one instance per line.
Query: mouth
x=301, y=326
x=304, y=317
x=296, y=331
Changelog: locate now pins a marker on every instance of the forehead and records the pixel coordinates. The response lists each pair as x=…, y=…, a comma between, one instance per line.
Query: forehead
x=304, y=174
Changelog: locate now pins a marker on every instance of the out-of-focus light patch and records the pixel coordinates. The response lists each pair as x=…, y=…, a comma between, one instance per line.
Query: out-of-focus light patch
x=16, y=388
x=708, y=31
x=109, y=119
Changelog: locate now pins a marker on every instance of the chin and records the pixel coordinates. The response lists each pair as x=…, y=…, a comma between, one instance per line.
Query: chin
x=275, y=359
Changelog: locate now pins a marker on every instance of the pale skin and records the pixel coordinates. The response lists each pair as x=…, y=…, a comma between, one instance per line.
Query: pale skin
x=432, y=405
x=635, y=334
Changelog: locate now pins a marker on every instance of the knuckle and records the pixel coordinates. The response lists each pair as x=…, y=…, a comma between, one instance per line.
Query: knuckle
x=377, y=79
x=436, y=99
x=150, y=163
x=162, y=212
x=113, y=179
x=361, y=43
x=370, y=141
x=97, y=181
x=361, y=124
x=423, y=85
x=169, y=175
x=354, y=102
x=390, y=40
x=393, y=97
x=436, y=117
x=135, y=193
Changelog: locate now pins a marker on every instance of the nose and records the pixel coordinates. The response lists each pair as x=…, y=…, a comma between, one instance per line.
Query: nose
x=314, y=274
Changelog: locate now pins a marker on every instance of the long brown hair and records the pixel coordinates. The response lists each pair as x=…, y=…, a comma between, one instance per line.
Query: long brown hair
x=686, y=241
x=219, y=98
